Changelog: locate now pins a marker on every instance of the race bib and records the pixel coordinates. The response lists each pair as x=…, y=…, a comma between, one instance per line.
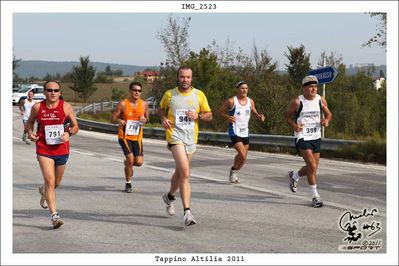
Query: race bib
x=181, y=119
x=311, y=131
x=53, y=134
x=132, y=128
x=241, y=130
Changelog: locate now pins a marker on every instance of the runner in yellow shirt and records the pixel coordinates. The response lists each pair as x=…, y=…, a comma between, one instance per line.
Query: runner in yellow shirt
x=180, y=110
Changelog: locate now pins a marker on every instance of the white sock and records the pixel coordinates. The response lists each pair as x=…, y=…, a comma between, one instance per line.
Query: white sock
x=314, y=190
x=296, y=176
x=129, y=182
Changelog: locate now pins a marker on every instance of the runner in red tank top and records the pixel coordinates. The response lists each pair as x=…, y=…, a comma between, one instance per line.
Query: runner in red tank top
x=131, y=114
x=52, y=142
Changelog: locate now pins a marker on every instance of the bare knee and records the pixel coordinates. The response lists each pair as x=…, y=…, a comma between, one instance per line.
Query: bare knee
x=129, y=162
x=243, y=155
x=138, y=163
x=184, y=174
x=312, y=166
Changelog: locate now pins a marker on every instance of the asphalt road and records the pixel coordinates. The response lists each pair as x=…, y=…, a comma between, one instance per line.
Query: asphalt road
x=260, y=215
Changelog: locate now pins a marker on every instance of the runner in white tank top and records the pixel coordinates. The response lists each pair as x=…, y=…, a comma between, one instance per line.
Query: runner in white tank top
x=237, y=110
x=25, y=106
x=304, y=116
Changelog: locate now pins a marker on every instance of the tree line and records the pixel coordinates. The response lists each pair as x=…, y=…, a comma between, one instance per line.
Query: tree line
x=359, y=109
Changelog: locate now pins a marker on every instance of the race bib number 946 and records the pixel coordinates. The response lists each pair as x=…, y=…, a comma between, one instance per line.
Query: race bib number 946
x=181, y=119
x=53, y=134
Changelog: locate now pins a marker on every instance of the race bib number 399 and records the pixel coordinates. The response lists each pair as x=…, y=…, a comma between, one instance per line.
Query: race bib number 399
x=311, y=131
x=53, y=134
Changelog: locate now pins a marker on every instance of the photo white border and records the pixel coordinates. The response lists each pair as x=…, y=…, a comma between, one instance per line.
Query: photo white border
x=7, y=10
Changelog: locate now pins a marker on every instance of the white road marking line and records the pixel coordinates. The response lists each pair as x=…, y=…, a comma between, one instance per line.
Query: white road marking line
x=254, y=188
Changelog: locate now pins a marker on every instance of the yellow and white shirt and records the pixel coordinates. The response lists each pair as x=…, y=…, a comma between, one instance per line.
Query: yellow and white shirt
x=183, y=129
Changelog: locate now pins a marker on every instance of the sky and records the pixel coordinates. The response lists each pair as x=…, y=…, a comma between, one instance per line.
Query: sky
x=131, y=38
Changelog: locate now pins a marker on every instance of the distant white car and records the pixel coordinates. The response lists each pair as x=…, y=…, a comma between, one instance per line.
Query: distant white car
x=23, y=93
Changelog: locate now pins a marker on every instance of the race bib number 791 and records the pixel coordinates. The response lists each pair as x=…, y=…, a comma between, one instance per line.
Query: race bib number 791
x=53, y=134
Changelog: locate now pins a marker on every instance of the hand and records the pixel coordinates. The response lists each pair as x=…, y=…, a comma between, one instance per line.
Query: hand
x=143, y=119
x=33, y=137
x=261, y=117
x=193, y=115
x=22, y=112
x=325, y=122
x=122, y=122
x=166, y=123
x=232, y=119
x=65, y=137
x=298, y=127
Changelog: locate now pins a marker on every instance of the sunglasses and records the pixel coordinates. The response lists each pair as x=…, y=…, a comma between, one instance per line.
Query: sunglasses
x=136, y=90
x=52, y=90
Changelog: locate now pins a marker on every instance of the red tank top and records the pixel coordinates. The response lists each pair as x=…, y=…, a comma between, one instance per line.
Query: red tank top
x=50, y=128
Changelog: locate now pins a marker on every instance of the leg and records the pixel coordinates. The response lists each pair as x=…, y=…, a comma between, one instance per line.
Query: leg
x=182, y=174
x=242, y=152
x=138, y=160
x=311, y=165
x=129, y=162
x=47, y=166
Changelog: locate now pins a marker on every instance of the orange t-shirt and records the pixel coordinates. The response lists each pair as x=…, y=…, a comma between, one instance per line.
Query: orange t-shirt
x=133, y=129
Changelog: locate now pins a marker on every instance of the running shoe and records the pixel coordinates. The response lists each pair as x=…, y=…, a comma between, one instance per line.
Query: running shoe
x=57, y=222
x=233, y=176
x=43, y=201
x=293, y=183
x=23, y=136
x=128, y=188
x=317, y=202
x=189, y=219
x=170, y=208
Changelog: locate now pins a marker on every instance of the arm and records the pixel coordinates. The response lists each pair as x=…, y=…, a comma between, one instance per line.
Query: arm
x=227, y=105
x=117, y=114
x=31, y=121
x=294, y=105
x=146, y=117
x=73, y=123
x=327, y=114
x=21, y=107
x=162, y=110
x=166, y=123
x=260, y=117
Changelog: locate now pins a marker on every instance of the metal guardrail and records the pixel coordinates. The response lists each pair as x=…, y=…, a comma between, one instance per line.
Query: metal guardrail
x=204, y=136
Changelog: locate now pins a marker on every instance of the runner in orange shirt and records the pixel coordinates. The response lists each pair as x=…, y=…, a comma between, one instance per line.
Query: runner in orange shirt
x=131, y=113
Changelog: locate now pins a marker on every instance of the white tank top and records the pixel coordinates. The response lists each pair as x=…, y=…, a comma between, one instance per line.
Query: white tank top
x=309, y=114
x=242, y=114
x=28, y=107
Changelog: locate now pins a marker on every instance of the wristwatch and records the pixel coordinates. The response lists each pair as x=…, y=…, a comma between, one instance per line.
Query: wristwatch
x=199, y=116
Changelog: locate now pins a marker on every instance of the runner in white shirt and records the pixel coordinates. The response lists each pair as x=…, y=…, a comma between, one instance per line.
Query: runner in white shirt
x=25, y=107
x=304, y=116
x=237, y=110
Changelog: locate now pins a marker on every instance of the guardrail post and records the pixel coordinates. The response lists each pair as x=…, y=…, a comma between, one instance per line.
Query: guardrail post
x=93, y=108
x=102, y=106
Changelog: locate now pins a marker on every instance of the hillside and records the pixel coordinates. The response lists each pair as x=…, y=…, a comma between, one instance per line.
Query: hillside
x=40, y=69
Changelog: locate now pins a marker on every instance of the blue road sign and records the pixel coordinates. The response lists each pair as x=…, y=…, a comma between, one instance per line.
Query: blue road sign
x=325, y=74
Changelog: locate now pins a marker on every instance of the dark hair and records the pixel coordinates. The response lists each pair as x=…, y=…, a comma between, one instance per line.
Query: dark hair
x=135, y=83
x=47, y=82
x=185, y=68
x=240, y=83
